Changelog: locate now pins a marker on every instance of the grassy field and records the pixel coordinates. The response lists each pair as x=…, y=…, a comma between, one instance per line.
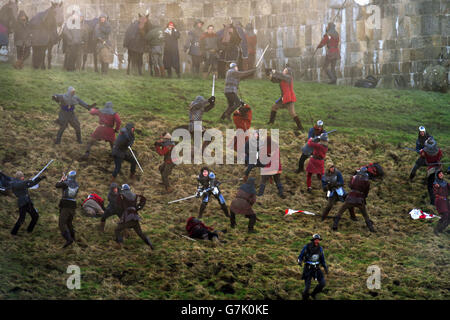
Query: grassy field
x=373, y=126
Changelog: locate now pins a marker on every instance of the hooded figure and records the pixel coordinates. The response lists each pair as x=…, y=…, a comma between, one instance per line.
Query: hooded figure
x=130, y=204
x=121, y=151
x=432, y=156
x=109, y=121
x=243, y=202
x=113, y=207
x=331, y=40
x=441, y=192
x=360, y=187
x=67, y=103
x=196, y=110
x=22, y=39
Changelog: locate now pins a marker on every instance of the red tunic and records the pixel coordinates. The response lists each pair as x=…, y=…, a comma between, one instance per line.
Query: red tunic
x=243, y=121
x=316, y=162
x=166, y=152
x=106, y=129
x=288, y=91
x=274, y=166
x=432, y=159
x=96, y=198
x=332, y=45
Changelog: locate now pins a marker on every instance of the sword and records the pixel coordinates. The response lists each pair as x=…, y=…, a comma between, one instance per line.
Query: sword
x=262, y=56
x=331, y=131
x=214, y=85
x=132, y=153
x=410, y=149
x=40, y=172
x=190, y=197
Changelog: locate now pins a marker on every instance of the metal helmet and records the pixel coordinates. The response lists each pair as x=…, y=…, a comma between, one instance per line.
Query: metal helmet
x=125, y=187
x=320, y=123
x=232, y=65
x=72, y=174
x=212, y=175
x=316, y=236
x=422, y=128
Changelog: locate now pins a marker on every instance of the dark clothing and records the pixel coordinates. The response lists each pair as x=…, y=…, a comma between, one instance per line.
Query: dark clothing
x=209, y=48
x=233, y=79
x=420, y=142
x=132, y=224
x=118, y=164
x=69, y=193
x=330, y=204
x=197, y=229
x=171, y=57
x=20, y=190
x=196, y=110
x=209, y=185
x=243, y=202
x=360, y=186
x=124, y=140
x=22, y=32
x=65, y=222
x=28, y=207
x=166, y=170
x=72, y=44
x=101, y=34
x=313, y=257
x=113, y=207
x=192, y=46
x=233, y=103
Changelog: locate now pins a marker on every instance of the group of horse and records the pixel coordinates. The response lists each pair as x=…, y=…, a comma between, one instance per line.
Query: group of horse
x=43, y=26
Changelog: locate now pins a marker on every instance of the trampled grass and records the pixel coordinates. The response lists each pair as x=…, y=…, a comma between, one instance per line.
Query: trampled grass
x=373, y=126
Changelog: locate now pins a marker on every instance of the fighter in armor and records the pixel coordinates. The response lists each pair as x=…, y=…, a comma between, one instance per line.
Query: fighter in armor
x=196, y=110
x=441, y=190
x=232, y=81
x=109, y=121
x=316, y=163
x=312, y=254
x=113, y=205
x=130, y=204
x=432, y=156
x=164, y=148
x=333, y=185
x=121, y=152
x=287, y=98
x=20, y=188
x=331, y=40
x=208, y=185
x=420, y=144
x=67, y=206
x=242, y=204
x=313, y=132
x=67, y=116
x=360, y=186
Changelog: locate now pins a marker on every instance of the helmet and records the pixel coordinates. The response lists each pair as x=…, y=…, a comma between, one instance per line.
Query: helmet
x=316, y=236
x=232, y=65
x=72, y=174
x=320, y=123
x=212, y=175
x=362, y=171
x=125, y=187
x=422, y=128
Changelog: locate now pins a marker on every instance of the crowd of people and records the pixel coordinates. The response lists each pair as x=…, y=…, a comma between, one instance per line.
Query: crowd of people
x=231, y=53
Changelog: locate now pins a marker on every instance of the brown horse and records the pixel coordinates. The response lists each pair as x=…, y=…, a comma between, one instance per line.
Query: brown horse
x=135, y=42
x=44, y=33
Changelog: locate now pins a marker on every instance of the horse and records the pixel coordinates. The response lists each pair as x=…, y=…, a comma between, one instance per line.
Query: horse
x=135, y=42
x=8, y=15
x=44, y=33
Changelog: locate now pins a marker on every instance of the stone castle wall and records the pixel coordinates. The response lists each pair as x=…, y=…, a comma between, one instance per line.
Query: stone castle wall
x=384, y=38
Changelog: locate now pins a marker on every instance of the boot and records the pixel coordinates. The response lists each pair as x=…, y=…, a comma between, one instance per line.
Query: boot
x=225, y=210
x=261, y=190
x=232, y=220
x=251, y=224
x=299, y=123
x=280, y=191
x=273, y=115
x=301, y=163
x=69, y=240
x=413, y=173
x=202, y=209
x=148, y=242
x=315, y=292
x=335, y=223
x=370, y=225
x=101, y=227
